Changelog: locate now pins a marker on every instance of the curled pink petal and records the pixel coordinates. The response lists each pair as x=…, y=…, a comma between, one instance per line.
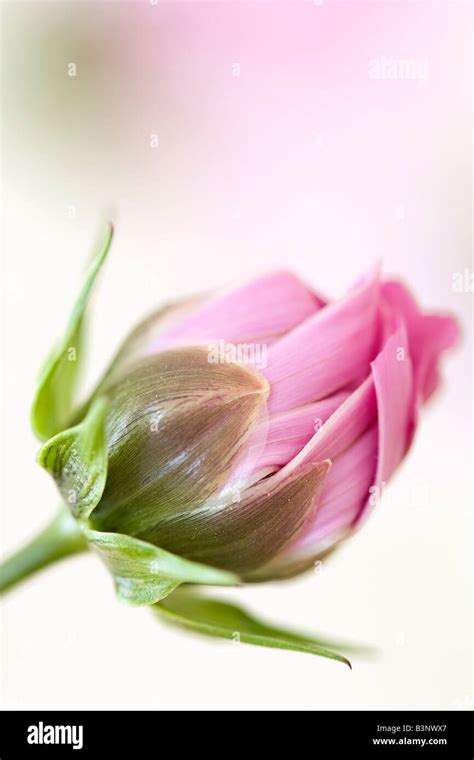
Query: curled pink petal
x=261, y=310
x=289, y=432
x=393, y=377
x=428, y=335
x=396, y=406
x=342, y=428
x=328, y=351
x=346, y=489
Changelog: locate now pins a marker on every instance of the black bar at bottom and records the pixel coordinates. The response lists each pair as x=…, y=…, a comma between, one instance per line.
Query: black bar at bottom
x=374, y=734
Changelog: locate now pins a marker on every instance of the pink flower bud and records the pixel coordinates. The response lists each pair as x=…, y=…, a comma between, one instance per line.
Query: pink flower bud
x=276, y=415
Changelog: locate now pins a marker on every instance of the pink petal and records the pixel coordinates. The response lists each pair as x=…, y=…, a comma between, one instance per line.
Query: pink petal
x=393, y=378
x=428, y=335
x=396, y=406
x=328, y=351
x=345, y=491
x=261, y=310
x=349, y=438
x=349, y=421
x=289, y=431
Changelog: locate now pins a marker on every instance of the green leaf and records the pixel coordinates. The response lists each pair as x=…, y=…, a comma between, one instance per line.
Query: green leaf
x=186, y=608
x=77, y=460
x=52, y=405
x=145, y=574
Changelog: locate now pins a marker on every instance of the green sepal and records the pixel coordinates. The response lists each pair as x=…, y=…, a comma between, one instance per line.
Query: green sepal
x=77, y=460
x=188, y=609
x=52, y=405
x=146, y=574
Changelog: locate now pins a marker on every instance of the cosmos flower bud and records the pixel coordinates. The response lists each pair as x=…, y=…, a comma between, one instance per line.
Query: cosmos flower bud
x=238, y=437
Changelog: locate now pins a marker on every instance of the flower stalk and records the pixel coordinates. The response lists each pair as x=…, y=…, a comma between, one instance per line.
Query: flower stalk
x=61, y=538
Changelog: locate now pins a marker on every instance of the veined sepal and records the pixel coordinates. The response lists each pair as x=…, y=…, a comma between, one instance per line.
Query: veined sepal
x=53, y=402
x=77, y=460
x=145, y=574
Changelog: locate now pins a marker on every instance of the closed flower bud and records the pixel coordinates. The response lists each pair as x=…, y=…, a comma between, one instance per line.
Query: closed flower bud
x=234, y=438
x=333, y=410
x=245, y=432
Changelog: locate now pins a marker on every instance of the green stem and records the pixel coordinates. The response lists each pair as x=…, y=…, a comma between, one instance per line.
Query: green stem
x=61, y=538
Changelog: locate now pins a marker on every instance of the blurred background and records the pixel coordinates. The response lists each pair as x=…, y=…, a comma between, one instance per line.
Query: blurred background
x=224, y=139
